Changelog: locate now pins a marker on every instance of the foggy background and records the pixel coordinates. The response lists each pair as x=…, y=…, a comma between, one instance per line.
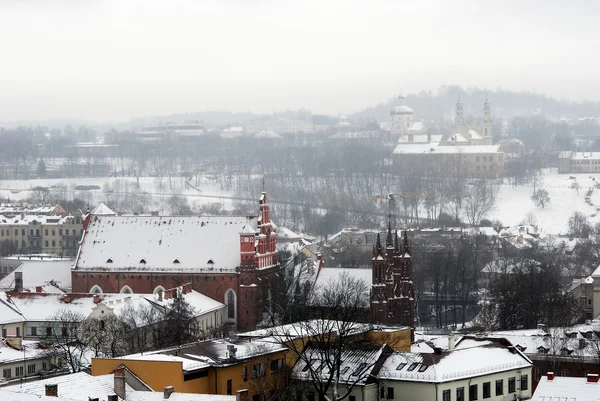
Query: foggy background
x=112, y=61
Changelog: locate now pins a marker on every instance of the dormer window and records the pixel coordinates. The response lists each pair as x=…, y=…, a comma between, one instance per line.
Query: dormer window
x=109, y=260
x=176, y=261
x=143, y=261
x=210, y=262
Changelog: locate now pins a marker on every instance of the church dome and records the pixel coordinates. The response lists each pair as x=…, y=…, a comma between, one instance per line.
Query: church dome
x=402, y=110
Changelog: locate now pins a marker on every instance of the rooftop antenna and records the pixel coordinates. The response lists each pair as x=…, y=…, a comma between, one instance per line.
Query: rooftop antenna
x=263, y=183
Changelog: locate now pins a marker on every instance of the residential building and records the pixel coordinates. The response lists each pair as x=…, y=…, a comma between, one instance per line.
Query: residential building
x=571, y=162
x=477, y=369
x=231, y=259
x=583, y=292
x=119, y=385
x=570, y=351
x=21, y=359
x=221, y=367
x=34, y=315
x=51, y=234
x=35, y=270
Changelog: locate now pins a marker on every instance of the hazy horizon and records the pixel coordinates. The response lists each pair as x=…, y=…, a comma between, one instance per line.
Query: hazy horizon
x=111, y=61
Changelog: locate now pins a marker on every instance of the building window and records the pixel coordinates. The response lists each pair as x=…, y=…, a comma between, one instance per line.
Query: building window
x=245, y=373
x=460, y=394
x=44, y=366
x=352, y=398
x=53, y=232
x=487, y=393
x=446, y=395
x=46, y=243
x=258, y=370
x=524, y=382
x=19, y=371
x=390, y=393
x=512, y=387
x=499, y=387
x=6, y=373
x=229, y=385
x=53, y=243
x=60, y=231
x=230, y=304
x=31, y=369
x=4, y=332
x=18, y=332
x=473, y=392
x=66, y=231
x=276, y=365
x=46, y=231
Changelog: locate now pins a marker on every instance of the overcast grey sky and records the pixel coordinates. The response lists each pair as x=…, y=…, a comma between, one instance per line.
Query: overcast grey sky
x=110, y=60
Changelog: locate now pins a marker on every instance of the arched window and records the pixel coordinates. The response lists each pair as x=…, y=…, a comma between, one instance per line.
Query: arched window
x=230, y=302
x=126, y=290
x=96, y=290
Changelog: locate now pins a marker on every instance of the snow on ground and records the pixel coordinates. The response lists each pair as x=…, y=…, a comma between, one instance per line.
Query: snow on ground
x=513, y=204
x=208, y=191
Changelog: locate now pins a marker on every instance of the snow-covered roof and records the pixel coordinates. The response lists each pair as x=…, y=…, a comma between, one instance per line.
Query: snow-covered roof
x=596, y=273
x=435, y=148
x=457, y=138
x=307, y=328
x=201, y=355
x=356, y=364
x=102, y=210
x=77, y=386
x=30, y=350
x=267, y=135
x=40, y=272
x=452, y=365
x=153, y=243
x=402, y=110
x=508, y=265
x=566, y=388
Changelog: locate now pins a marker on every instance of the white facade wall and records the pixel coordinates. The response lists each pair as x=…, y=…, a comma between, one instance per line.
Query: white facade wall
x=421, y=391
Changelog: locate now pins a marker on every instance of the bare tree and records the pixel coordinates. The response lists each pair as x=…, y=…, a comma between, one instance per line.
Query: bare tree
x=66, y=339
x=479, y=200
x=322, y=344
x=541, y=198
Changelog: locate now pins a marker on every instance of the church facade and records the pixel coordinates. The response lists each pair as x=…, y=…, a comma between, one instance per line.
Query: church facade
x=231, y=259
x=392, y=290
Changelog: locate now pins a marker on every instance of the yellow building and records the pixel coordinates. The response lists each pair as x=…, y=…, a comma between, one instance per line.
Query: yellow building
x=53, y=234
x=208, y=367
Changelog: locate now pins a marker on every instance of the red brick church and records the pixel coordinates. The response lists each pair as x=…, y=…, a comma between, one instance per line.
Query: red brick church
x=231, y=259
x=392, y=290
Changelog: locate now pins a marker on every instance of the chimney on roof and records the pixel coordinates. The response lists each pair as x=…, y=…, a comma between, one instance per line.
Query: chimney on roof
x=320, y=260
x=94, y=399
x=119, y=382
x=550, y=376
x=113, y=397
x=38, y=288
x=592, y=377
x=66, y=299
x=241, y=395
x=451, y=341
x=168, y=391
x=51, y=390
x=18, y=281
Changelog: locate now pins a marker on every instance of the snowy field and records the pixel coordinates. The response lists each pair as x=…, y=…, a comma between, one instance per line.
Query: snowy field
x=514, y=204
x=207, y=191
